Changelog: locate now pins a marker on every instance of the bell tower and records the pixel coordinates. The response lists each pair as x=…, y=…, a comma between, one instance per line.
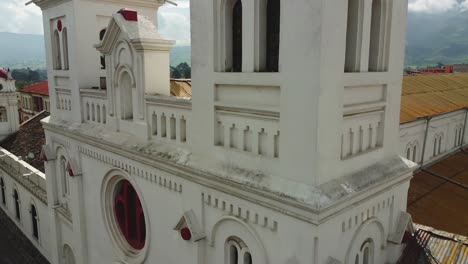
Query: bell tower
x=71, y=29
x=9, y=119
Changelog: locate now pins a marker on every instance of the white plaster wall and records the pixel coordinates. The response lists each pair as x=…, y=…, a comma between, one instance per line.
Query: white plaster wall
x=25, y=224
x=445, y=124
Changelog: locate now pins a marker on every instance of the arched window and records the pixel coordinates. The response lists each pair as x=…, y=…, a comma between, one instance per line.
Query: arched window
x=408, y=153
x=129, y=215
x=17, y=205
x=366, y=253
x=354, y=35
x=273, y=35
x=102, y=33
x=3, y=114
x=65, y=49
x=3, y=190
x=378, y=47
x=237, y=252
x=34, y=221
x=126, y=97
x=56, y=51
x=434, y=152
x=68, y=256
x=414, y=152
x=104, y=114
x=440, y=145
x=64, y=176
x=237, y=36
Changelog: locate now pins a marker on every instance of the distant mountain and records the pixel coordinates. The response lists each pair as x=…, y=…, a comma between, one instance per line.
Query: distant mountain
x=433, y=38
x=181, y=54
x=22, y=50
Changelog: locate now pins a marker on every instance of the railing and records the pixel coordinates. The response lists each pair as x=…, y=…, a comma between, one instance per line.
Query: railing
x=250, y=131
x=94, y=105
x=361, y=133
x=64, y=99
x=169, y=118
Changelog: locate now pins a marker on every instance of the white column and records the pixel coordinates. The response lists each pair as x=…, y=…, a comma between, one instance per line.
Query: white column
x=248, y=35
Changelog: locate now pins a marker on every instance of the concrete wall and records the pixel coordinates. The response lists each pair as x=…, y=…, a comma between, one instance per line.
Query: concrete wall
x=30, y=185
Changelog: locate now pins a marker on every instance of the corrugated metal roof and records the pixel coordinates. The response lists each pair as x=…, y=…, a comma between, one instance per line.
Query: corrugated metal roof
x=445, y=247
x=181, y=87
x=425, y=95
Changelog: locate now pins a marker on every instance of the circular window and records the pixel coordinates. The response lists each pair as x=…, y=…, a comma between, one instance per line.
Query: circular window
x=129, y=215
x=124, y=217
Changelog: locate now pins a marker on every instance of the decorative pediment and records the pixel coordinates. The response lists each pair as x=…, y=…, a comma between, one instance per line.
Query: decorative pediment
x=189, y=228
x=136, y=29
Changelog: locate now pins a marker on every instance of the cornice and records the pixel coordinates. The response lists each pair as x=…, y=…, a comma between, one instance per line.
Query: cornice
x=277, y=202
x=44, y=4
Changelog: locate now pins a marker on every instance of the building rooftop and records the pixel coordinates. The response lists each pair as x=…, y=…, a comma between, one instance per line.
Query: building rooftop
x=27, y=141
x=441, y=204
x=443, y=246
x=426, y=95
x=41, y=88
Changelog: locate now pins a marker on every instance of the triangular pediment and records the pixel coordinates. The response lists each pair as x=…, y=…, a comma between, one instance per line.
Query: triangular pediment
x=140, y=31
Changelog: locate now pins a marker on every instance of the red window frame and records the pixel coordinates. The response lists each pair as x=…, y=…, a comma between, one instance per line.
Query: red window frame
x=130, y=215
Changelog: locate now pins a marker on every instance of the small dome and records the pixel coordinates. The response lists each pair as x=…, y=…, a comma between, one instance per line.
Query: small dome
x=3, y=73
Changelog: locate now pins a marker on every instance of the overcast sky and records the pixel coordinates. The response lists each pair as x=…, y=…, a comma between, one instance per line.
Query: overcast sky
x=174, y=21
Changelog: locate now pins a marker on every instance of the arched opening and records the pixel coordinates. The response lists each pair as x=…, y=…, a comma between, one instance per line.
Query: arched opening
x=104, y=114
x=65, y=49
x=440, y=145
x=102, y=33
x=17, y=205
x=3, y=114
x=129, y=215
x=367, y=252
x=378, y=37
x=56, y=51
x=34, y=221
x=3, y=190
x=434, y=152
x=414, y=153
x=354, y=35
x=64, y=176
x=68, y=256
x=126, y=96
x=273, y=35
x=237, y=36
x=237, y=252
x=233, y=255
x=247, y=258
x=408, y=153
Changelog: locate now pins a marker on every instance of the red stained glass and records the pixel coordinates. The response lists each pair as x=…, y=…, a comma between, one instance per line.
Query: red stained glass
x=129, y=214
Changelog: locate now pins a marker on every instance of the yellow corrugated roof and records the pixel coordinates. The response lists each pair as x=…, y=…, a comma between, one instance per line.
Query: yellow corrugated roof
x=445, y=247
x=181, y=87
x=425, y=95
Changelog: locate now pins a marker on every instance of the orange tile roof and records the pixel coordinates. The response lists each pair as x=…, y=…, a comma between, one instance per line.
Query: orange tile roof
x=425, y=95
x=37, y=88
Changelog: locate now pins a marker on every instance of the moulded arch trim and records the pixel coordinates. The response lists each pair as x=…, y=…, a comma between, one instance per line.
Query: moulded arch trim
x=131, y=256
x=363, y=226
x=61, y=151
x=262, y=254
x=120, y=70
x=72, y=251
x=122, y=45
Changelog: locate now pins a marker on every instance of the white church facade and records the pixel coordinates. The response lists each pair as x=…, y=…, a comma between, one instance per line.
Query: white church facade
x=288, y=151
